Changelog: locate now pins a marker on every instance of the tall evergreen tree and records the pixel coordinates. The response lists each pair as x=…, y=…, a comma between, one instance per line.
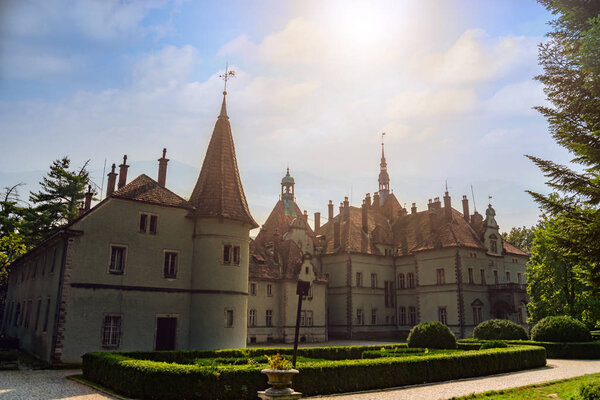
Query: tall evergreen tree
x=58, y=202
x=571, y=63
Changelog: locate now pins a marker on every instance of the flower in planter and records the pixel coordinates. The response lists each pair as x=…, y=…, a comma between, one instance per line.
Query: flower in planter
x=279, y=362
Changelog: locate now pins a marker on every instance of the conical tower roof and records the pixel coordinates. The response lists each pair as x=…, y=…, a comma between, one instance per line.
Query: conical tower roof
x=219, y=191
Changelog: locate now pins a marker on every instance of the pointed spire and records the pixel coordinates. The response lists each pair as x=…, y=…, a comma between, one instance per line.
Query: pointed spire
x=223, y=113
x=219, y=192
x=384, y=178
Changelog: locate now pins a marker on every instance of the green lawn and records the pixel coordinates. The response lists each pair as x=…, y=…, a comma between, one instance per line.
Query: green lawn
x=566, y=389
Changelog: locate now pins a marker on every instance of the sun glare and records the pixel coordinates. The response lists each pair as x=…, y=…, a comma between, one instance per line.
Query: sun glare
x=362, y=23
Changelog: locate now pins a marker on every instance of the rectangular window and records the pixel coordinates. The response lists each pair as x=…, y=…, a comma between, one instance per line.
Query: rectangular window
x=373, y=281
x=252, y=318
x=309, y=318
x=153, y=224
x=374, y=316
x=269, y=290
x=389, y=294
x=507, y=276
x=402, y=315
x=117, y=259
x=37, y=315
x=302, y=317
x=227, y=254
x=520, y=315
x=519, y=278
x=47, y=314
x=470, y=270
x=359, y=279
x=495, y=276
x=477, y=315
x=111, y=332
x=170, y=265
x=401, y=283
x=228, y=318
x=236, y=255
x=410, y=277
x=482, y=272
x=252, y=289
x=360, y=318
x=143, y=223
x=28, y=314
x=442, y=315
x=53, y=260
x=269, y=318
x=441, y=279
x=412, y=314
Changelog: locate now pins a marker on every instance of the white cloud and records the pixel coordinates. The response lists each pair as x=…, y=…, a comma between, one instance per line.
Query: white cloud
x=428, y=103
x=168, y=65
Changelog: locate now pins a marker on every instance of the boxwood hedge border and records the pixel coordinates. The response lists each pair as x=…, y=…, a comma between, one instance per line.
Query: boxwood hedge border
x=147, y=374
x=565, y=351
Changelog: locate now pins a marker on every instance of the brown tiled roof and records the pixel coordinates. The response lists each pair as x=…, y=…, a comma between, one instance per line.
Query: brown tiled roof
x=219, y=191
x=147, y=190
x=391, y=207
x=277, y=222
x=510, y=249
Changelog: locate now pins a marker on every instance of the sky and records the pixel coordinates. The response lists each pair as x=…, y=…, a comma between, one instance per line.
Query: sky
x=317, y=82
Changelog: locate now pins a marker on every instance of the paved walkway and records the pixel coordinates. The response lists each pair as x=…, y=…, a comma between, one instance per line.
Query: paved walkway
x=51, y=384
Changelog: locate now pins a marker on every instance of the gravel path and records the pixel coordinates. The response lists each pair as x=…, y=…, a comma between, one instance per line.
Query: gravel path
x=555, y=369
x=52, y=384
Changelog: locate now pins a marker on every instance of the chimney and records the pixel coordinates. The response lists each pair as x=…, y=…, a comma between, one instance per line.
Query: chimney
x=447, y=206
x=346, y=208
x=433, y=221
x=376, y=201
x=336, y=234
x=112, y=178
x=162, y=169
x=317, y=221
x=430, y=205
x=306, y=216
x=341, y=208
x=465, y=203
x=365, y=217
x=123, y=173
x=413, y=209
x=437, y=204
x=81, y=209
x=88, y=198
x=330, y=211
x=368, y=199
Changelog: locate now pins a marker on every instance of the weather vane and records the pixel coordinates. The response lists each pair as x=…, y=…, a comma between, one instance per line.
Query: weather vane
x=226, y=76
x=490, y=199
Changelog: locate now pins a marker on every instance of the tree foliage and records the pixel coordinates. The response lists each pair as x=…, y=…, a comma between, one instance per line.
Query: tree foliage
x=571, y=63
x=554, y=287
x=520, y=237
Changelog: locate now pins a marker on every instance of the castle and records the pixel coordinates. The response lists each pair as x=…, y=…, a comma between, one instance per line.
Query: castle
x=145, y=269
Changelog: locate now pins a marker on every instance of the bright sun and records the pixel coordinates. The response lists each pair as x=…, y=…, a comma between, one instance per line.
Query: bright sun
x=362, y=22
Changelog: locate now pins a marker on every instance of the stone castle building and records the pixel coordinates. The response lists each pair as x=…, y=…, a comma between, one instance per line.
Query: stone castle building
x=146, y=269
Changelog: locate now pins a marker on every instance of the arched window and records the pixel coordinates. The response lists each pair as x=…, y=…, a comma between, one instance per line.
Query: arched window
x=410, y=280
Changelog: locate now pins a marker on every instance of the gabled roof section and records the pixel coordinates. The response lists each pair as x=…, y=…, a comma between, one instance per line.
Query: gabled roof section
x=219, y=191
x=510, y=249
x=147, y=190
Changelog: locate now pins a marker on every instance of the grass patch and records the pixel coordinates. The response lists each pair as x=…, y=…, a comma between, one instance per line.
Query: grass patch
x=565, y=389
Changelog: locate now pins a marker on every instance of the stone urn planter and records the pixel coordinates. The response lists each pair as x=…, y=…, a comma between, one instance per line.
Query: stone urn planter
x=281, y=382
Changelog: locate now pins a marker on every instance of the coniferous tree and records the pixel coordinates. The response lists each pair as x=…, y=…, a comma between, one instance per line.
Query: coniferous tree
x=571, y=64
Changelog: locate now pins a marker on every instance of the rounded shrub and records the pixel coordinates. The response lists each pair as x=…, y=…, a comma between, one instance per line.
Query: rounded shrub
x=560, y=329
x=493, y=344
x=433, y=335
x=499, y=329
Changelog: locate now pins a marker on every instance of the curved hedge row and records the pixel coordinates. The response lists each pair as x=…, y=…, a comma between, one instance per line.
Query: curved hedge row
x=162, y=381
x=567, y=351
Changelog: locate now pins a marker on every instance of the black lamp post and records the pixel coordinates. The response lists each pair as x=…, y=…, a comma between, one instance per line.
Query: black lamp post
x=301, y=290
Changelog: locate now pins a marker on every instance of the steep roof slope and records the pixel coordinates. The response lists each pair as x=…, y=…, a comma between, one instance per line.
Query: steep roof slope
x=219, y=191
x=147, y=190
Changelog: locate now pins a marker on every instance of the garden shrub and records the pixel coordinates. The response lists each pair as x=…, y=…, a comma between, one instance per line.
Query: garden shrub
x=493, y=344
x=393, y=352
x=590, y=391
x=499, y=329
x=560, y=329
x=434, y=335
x=163, y=381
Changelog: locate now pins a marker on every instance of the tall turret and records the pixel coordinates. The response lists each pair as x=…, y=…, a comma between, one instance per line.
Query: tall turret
x=384, y=178
x=287, y=195
x=222, y=222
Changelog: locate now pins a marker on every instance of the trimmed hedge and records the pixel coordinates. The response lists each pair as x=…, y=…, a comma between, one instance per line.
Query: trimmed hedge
x=567, y=351
x=499, y=329
x=560, y=329
x=163, y=381
x=395, y=352
x=433, y=335
x=493, y=344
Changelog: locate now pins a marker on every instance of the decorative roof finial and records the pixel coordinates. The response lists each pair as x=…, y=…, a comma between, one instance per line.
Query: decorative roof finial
x=226, y=76
x=382, y=135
